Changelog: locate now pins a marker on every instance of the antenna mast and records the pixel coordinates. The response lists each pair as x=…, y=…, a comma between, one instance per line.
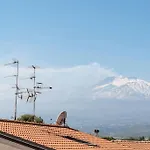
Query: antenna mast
x=36, y=85
x=15, y=62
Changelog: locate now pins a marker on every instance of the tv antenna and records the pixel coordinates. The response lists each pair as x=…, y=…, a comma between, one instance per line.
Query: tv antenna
x=17, y=94
x=36, y=85
x=31, y=94
x=61, y=119
x=51, y=121
x=39, y=85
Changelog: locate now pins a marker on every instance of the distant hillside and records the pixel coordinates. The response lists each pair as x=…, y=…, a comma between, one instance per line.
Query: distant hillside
x=122, y=131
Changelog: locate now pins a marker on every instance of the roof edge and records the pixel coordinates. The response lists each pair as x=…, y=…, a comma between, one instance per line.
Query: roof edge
x=38, y=124
x=24, y=142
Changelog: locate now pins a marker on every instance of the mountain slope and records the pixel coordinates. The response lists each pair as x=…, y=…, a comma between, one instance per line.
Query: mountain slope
x=122, y=88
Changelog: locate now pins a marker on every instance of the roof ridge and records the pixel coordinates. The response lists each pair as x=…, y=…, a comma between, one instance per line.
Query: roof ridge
x=34, y=123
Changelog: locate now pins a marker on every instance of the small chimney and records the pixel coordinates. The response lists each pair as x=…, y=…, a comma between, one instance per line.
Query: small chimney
x=96, y=131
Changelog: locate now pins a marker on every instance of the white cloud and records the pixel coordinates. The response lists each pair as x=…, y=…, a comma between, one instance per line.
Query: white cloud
x=71, y=88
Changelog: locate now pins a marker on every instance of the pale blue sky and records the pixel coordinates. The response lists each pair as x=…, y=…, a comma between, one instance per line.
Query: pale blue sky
x=113, y=33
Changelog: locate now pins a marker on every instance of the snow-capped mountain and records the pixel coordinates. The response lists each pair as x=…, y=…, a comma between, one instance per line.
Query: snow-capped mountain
x=122, y=88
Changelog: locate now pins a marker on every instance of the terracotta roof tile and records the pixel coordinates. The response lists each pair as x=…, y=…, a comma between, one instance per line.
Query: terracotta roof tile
x=136, y=145
x=58, y=137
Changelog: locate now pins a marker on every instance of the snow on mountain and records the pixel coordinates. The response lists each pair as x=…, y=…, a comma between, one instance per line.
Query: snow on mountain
x=122, y=88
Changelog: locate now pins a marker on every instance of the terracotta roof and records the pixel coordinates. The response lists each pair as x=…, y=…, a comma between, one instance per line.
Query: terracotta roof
x=136, y=145
x=58, y=137
x=8, y=141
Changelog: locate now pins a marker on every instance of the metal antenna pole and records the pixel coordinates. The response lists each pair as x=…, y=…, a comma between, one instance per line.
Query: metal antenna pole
x=16, y=86
x=34, y=86
x=16, y=94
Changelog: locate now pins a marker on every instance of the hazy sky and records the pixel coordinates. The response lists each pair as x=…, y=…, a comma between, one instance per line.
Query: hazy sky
x=66, y=33
x=77, y=43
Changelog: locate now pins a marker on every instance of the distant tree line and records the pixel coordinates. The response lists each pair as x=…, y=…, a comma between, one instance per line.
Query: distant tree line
x=140, y=138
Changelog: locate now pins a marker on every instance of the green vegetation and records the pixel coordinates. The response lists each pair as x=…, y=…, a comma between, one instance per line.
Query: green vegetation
x=141, y=138
x=30, y=118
